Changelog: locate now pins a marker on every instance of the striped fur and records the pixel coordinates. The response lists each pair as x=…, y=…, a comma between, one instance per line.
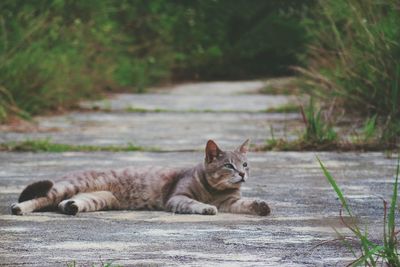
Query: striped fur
x=204, y=189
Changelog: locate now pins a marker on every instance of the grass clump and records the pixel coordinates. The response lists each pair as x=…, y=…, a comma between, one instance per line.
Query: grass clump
x=319, y=135
x=372, y=253
x=101, y=264
x=144, y=110
x=354, y=59
x=369, y=129
x=288, y=108
x=54, y=53
x=47, y=146
x=317, y=130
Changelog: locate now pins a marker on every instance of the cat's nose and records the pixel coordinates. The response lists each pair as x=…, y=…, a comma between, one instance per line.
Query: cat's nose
x=242, y=174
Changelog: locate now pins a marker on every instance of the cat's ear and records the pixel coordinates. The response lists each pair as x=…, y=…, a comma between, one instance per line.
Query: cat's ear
x=212, y=151
x=243, y=148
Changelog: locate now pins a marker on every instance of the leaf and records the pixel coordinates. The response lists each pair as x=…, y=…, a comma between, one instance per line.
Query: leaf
x=332, y=181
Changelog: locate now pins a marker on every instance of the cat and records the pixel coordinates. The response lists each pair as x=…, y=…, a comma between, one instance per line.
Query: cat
x=205, y=189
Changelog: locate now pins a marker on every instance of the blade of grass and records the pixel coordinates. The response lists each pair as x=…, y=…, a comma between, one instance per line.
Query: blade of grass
x=364, y=258
x=335, y=187
x=391, y=247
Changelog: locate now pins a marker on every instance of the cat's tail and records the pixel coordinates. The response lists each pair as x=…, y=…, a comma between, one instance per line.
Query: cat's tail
x=35, y=190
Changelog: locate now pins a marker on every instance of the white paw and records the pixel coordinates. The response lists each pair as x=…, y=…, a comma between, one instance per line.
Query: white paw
x=16, y=209
x=68, y=207
x=209, y=210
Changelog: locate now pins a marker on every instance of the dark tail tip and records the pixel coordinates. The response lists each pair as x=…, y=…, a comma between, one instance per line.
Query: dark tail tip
x=38, y=189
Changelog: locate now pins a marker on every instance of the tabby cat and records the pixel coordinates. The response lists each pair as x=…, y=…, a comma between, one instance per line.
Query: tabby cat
x=204, y=189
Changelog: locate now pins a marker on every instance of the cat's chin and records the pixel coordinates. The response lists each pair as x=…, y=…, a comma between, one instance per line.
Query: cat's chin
x=235, y=185
x=237, y=181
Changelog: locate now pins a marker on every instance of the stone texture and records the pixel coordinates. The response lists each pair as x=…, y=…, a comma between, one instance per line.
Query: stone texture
x=167, y=131
x=185, y=103
x=304, y=210
x=238, y=96
x=183, y=117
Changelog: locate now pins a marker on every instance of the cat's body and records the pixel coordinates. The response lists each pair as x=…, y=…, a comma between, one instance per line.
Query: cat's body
x=204, y=189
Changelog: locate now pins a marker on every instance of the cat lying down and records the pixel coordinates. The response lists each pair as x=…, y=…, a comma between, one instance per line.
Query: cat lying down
x=206, y=188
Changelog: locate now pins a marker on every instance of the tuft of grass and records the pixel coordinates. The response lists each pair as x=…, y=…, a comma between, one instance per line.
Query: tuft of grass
x=144, y=110
x=282, y=86
x=354, y=58
x=45, y=145
x=317, y=130
x=101, y=264
x=369, y=129
x=288, y=108
x=372, y=253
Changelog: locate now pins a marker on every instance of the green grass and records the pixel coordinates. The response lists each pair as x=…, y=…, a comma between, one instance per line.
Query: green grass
x=144, y=110
x=369, y=129
x=318, y=135
x=302, y=145
x=102, y=264
x=288, y=108
x=47, y=146
x=354, y=59
x=285, y=86
x=317, y=130
x=132, y=109
x=54, y=53
x=372, y=253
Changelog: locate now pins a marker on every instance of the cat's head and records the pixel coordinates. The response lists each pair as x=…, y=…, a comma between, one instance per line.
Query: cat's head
x=226, y=169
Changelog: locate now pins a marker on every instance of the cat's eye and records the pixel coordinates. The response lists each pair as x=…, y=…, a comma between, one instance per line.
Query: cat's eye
x=245, y=164
x=229, y=166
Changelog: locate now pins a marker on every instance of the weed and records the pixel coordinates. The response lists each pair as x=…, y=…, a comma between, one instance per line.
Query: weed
x=288, y=108
x=317, y=130
x=144, y=110
x=354, y=58
x=282, y=86
x=101, y=264
x=369, y=129
x=45, y=145
x=371, y=252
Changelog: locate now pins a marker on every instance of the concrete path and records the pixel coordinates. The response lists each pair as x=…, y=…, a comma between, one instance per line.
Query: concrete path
x=304, y=207
x=171, y=118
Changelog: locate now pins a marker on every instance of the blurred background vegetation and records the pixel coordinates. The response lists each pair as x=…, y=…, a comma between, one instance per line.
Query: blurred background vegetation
x=56, y=52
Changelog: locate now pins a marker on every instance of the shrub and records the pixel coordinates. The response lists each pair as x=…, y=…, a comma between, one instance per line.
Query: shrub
x=356, y=58
x=55, y=52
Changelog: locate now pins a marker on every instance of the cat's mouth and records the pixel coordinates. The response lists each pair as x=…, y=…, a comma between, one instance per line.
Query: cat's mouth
x=238, y=182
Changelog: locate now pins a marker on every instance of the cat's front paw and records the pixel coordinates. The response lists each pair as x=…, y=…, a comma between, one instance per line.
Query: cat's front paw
x=210, y=210
x=260, y=207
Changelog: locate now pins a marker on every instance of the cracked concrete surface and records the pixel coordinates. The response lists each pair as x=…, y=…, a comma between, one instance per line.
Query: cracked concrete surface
x=181, y=120
x=304, y=207
x=305, y=210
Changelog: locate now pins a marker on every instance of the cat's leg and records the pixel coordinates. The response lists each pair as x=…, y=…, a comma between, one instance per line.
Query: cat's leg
x=93, y=201
x=184, y=204
x=245, y=205
x=43, y=195
x=32, y=205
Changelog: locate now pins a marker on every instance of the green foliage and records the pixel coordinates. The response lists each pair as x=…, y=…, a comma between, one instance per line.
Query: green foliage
x=371, y=252
x=370, y=128
x=317, y=130
x=355, y=56
x=239, y=39
x=287, y=108
x=45, y=145
x=56, y=52
x=102, y=264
